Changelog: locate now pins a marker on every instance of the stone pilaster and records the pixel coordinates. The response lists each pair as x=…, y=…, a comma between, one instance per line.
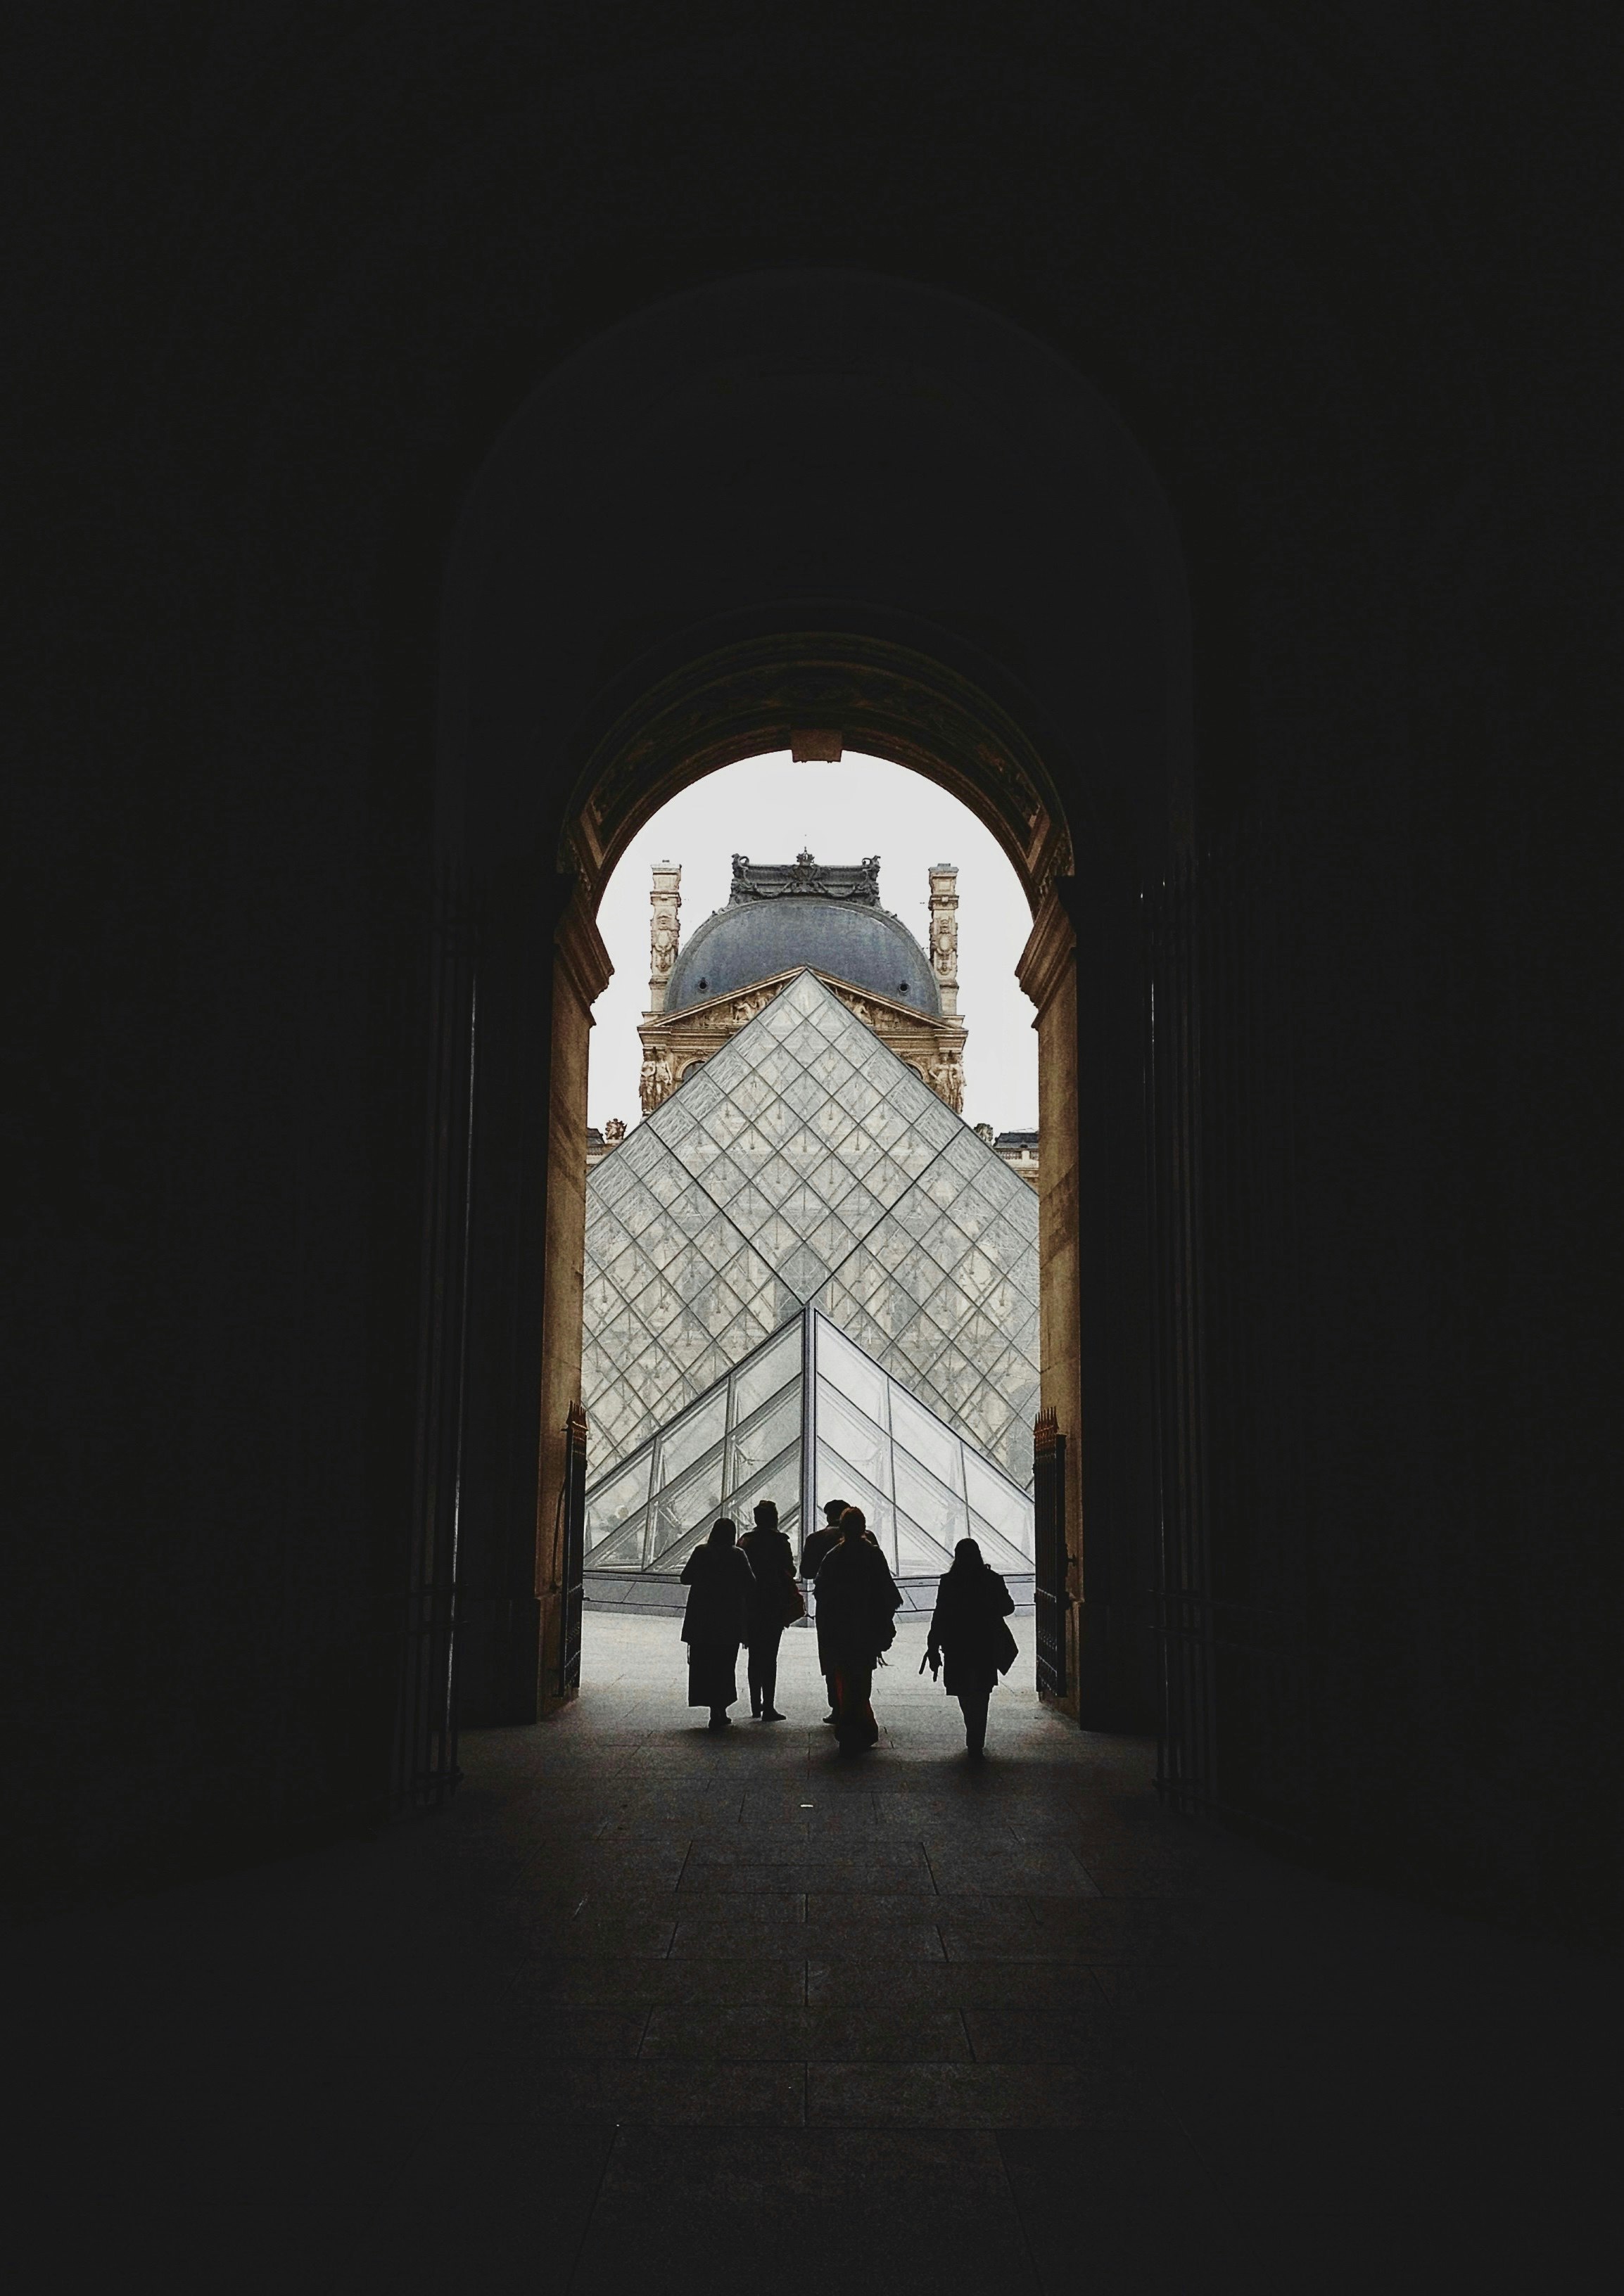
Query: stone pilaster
x=944, y=935
x=665, y=932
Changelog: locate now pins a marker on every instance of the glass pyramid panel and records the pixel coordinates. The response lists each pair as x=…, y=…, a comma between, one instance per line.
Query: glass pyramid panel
x=910, y=1469
x=806, y=1163
x=738, y=1443
x=921, y=1484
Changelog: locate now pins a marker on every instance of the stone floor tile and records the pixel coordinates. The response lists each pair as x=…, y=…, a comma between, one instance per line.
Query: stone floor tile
x=867, y=2210
x=840, y=1879
x=596, y=1981
x=843, y=1933
x=874, y=2036
x=773, y=1894
x=854, y=1982
x=716, y=1937
x=973, y=2096
x=634, y=1936
x=669, y=2093
x=1094, y=2034
x=1022, y=1871
x=834, y=1855
x=1155, y=2224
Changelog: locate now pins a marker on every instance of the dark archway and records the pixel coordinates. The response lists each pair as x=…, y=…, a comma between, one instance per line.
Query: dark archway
x=784, y=512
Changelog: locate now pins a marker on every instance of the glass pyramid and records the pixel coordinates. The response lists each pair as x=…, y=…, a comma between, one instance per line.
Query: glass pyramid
x=805, y=1165
x=808, y=1399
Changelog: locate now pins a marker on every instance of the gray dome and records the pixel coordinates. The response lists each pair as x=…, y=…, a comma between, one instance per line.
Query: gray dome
x=751, y=940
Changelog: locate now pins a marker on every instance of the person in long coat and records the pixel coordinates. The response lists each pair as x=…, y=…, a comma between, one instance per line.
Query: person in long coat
x=820, y=1543
x=968, y=1634
x=715, y=1621
x=857, y=1603
x=775, y=1599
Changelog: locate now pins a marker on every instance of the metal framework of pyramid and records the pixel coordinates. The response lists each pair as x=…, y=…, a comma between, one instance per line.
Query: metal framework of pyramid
x=806, y=1166
x=807, y=1414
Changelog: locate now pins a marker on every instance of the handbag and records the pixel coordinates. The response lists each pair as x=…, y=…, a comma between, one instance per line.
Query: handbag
x=1007, y=1650
x=794, y=1604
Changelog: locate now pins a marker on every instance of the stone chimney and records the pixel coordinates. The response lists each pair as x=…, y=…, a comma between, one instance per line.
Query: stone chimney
x=665, y=904
x=944, y=935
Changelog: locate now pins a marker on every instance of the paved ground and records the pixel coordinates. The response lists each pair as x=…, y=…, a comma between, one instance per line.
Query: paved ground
x=656, y=2011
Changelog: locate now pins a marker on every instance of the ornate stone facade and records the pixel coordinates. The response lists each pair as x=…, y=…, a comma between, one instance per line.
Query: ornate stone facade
x=920, y=1022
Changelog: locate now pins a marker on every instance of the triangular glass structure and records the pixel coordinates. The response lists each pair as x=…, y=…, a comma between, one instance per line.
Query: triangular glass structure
x=806, y=1417
x=805, y=1164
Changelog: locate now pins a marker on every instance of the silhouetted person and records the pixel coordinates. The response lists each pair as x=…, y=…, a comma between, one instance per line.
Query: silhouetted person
x=967, y=1630
x=857, y=1603
x=715, y=1621
x=823, y=1542
x=820, y=1544
x=775, y=1599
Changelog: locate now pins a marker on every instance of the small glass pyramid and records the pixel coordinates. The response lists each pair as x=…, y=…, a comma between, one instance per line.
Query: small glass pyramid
x=805, y=1418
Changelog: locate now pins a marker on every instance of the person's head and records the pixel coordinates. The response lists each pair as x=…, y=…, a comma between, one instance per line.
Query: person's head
x=721, y=1532
x=766, y=1515
x=834, y=1509
x=967, y=1556
x=853, y=1524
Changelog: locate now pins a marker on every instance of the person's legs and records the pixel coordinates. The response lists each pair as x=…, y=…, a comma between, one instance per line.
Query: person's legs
x=854, y=1725
x=719, y=1719
x=764, y=1671
x=753, y=1669
x=973, y=1704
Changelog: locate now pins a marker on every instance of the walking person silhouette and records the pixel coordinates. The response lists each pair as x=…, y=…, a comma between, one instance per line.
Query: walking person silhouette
x=968, y=1632
x=774, y=1603
x=715, y=1621
x=820, y=1543
x=856, y=1606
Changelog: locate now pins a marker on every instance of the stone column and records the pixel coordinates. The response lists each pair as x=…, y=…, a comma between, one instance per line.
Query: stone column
x=944, y=935
x=1047, y=972
x=581, y=972
x=665, y=904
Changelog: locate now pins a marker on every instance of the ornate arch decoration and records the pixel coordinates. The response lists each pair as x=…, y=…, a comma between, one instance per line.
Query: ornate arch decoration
x=818, y=693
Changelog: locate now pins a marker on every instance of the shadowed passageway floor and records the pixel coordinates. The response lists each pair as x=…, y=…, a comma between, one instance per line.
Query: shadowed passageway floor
x=654, y=2010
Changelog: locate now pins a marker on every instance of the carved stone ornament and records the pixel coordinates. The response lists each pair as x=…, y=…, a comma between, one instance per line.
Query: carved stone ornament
x=763, y=880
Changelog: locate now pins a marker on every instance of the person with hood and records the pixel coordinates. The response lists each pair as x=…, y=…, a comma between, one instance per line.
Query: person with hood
x=969, y=1634
x=715, y=1621
x=775, y=1600
x=856, y=1606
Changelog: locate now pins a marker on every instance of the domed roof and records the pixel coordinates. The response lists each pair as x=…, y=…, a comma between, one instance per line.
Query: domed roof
x=850, y=940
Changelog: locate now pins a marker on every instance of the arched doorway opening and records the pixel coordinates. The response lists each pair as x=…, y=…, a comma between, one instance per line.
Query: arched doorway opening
x=861, y=1161
x=825, y=1183
x=913, y=532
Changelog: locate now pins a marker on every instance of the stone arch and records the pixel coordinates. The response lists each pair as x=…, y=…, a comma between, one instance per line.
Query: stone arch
x=849, y=497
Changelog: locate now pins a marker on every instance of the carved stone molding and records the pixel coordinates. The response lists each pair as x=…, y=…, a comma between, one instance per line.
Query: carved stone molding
x=675, y=1044
x=752, y=697
x=1051, y=947
x=582, y=956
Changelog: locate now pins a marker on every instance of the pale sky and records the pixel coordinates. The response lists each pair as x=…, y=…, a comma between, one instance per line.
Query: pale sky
x=770, y=810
